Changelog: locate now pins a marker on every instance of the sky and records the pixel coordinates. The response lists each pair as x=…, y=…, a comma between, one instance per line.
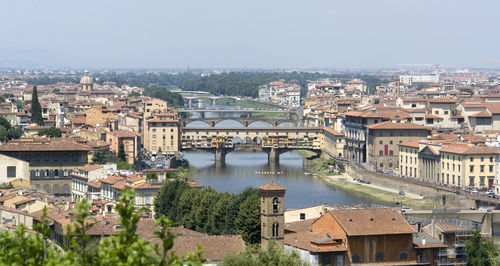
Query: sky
x=251, y=34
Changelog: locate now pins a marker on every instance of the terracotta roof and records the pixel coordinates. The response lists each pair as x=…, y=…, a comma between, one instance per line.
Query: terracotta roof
x=333, y=132
x=43, y=145
x=431, y=116
x=413, y=143
x=446, y=227
x=442, y=100
x=272, y=187
x=299, y=226
x=90, y=167
x=464, y=148
x=391, y=125
x=484, y=113
x=315, y=242
x=377, y=221
x=95, y=183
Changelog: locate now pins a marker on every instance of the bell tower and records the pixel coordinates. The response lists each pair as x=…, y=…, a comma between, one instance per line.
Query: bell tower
x=272, y=213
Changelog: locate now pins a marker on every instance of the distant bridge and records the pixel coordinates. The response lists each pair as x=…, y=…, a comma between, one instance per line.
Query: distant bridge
x=244, y=121
x=213, y=98
x=273, y=140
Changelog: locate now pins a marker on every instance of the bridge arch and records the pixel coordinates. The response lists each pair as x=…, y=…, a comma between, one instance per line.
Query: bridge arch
x=257, y=122
x=197, y=123
x=226, y=122
x=286, y=124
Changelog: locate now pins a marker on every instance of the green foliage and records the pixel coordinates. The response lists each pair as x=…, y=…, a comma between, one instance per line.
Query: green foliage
x=211, y=212
x=103, y=156
x=254, y=255
x=2, y=98
x=134, y=94
x=6, y=185
x=121, y=152
x=127, y=248
x=52, y=132
x=480, y=251
x=173, y=99
x=8, y=132
x=248, y=219
x=122, y=165
x=36, y=108
x=152, y=176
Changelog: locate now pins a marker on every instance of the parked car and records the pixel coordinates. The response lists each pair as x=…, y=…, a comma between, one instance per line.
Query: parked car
x=401, y=192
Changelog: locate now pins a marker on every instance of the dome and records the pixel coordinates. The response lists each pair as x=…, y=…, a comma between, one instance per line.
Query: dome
x=86, y=79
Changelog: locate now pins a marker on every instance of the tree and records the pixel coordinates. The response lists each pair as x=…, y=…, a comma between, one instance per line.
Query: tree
x=52, y=132
x=2, y=98
x=480, y=251
x=248, y=219
x=21, y=247
x=121, y=153
x=103, y=156
x=3, y=134
x=14, y=133
x=152, y=176
x=255, y=255
x=36, y=108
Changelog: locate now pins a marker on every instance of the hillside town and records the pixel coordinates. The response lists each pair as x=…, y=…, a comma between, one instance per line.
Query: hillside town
x=435, y=136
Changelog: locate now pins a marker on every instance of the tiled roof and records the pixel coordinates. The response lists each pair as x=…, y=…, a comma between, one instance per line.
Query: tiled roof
x=299, y=226
x=431, y=116
x=484, y=113
x=272, y=187
x=391, y=125
x=43, y=145
x=315, y=242
x=90, y=167
x=463, y=148
x=446, y=227
x=442, y=100
x=124, y=134
x=413, y=143
x=333, y=132
x=377, y=221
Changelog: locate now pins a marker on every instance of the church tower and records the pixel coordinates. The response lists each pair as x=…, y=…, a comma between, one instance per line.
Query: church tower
x=272, y=213
x=86, y=82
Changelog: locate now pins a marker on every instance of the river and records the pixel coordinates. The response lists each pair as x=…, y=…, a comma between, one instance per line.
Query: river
x=241, y=170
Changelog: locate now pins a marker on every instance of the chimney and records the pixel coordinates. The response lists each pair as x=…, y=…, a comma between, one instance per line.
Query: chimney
x=433, y=231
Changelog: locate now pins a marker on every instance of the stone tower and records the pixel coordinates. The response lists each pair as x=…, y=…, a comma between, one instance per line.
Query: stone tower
x=272, y=213
x=86, y=82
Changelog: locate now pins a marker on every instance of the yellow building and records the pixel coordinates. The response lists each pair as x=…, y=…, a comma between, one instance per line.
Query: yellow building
x=95, y=116
x=161, y=135
x=451, y=163
x=130, y=141
x=333, y=143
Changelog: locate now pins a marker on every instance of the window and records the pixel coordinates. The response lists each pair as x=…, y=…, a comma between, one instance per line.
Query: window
x=381, y=142
x=481, y=181
x=390, y=142
x=46, y=157
x=390, y=166
x=380, y=153
x=356, y=258
x=491, y=159
x=491, y=168
x=381, y=165
x=403, y=255
x=325, y=259
x=445, y=112
x=482, y=159
x=74, y=157
x=471, y=168
x=471, y=181
x=275, y=229
x=302, y=216
x=471, y=159
x=379, y=256
x=481, y=168
x=11, y=171
x=391, y=153
x=275, y=205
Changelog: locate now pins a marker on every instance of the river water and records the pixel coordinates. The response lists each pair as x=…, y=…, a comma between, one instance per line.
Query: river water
x=243, y=169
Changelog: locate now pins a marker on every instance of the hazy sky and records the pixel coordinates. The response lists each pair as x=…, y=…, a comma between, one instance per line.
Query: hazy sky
x=253, y=33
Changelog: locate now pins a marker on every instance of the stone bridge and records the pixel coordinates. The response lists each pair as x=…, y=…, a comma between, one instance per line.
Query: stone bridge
x=244, y=121
x=213, y=98
x=272, y=140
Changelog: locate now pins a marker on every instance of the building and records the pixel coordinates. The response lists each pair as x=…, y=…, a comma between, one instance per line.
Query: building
x=161, y=135
x=333, y=143
x=50, y=161
x=408, y=80
x=451, y=163
x=353, y=236
x=281, y=93
x=129, y=140
x=384, y=138
x=355, y=123
x=95, y=116
x=86, y=82
x=272, y=210
x=12, y=169
x=441, y=112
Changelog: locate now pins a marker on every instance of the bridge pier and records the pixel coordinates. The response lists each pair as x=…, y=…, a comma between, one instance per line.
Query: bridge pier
x=190, y=103
x=214, y=101
x=202, y=114
x=273, y=157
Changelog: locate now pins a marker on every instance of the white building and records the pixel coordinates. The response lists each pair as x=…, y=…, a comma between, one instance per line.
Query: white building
x=408, y=80
x=281, y=93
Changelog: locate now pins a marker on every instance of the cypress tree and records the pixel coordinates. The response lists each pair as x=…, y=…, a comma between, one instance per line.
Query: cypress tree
x=121, y=152
x=36, y=108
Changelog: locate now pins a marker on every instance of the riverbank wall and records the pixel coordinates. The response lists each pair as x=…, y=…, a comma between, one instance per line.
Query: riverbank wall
x=433, y=193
